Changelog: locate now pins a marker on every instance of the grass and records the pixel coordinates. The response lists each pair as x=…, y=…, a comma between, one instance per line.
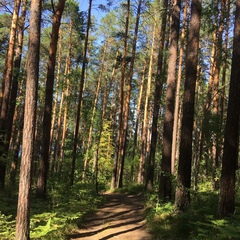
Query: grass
x=59, y=214
x=199, y=222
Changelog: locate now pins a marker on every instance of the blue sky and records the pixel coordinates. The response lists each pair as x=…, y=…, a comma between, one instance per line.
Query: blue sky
x=95, y=11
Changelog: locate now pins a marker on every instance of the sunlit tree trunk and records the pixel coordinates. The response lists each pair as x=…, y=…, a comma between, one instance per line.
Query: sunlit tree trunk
x=216, y=109
x=157, y=100
x=66, y=107
x=142, y=163
x=182, y=197
x=123, y=146
x=165, y=185
x=6, y=90
x=112, y=116
x=55, y=104
x=63, y=111
x=44, y=159
x=16, y=72
x=119, y=140
x=23, y=207
x=135, y=136
x=11, y=120
x=231, y=136
x=80, y=93
x=8, y=69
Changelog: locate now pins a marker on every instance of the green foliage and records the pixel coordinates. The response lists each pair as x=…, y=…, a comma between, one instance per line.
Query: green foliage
x=7, y=224
x=5, y=20
x=106, y=150
x=131, y=189
x=62, y=212
x=198, y=222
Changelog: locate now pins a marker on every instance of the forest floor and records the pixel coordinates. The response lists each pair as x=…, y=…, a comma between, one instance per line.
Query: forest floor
x=122, y=217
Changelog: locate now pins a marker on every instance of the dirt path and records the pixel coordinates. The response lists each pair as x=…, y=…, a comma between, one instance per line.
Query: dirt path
x=120, y=218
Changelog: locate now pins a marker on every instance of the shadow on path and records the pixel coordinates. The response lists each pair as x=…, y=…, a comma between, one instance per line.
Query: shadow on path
x=120, y=218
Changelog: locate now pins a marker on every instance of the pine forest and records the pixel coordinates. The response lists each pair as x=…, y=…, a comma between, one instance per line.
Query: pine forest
x=121, y=97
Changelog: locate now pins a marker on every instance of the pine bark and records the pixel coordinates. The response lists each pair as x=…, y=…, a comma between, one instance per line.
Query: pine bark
x=15, y=79
x=178, y=88
x=6, y=90
x=119, y=140
x=182, y=197
x=157, y=100
x=165, y=186
x=143, y=151
x=123, y=146
x=231, y=136
x=23, y=208
x=44, y=160
x=55, y=104
x=139, y=103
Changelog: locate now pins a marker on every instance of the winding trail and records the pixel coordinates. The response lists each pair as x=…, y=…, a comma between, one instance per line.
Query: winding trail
x=122, y=217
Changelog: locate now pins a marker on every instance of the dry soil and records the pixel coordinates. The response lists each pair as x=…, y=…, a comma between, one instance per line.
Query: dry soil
x=122, y=217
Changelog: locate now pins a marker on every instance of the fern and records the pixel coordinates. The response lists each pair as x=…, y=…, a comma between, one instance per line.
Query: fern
x=42, y=231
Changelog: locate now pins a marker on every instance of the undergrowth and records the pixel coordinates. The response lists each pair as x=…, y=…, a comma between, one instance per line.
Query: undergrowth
x=130, y=189
x=199, y=222
x=52, y=218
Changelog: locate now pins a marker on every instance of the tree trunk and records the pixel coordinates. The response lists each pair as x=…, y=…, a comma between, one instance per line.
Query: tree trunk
x=231, y=136
x=157, y=100
x=80, y=93
x=17, y=65
x=16, y=142
x=62, y=116
x=123, y=146
x=89, y=143
x=165, y=186
x=44, y=160
x=55, y=104
x=119, y=140
x=23, y=208
x=135, y=136
x=6, y=89
x=66, y=107
x=177, y=97
x=182, y=198
x=226, y=6
x=142, y=163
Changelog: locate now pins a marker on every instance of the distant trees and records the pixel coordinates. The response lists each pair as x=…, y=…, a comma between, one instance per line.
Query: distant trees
x=80, y=93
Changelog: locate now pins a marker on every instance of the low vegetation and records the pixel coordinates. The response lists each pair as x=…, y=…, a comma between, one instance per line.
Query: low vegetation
x=63, y=211
x=199, y=222
x=54, y=217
